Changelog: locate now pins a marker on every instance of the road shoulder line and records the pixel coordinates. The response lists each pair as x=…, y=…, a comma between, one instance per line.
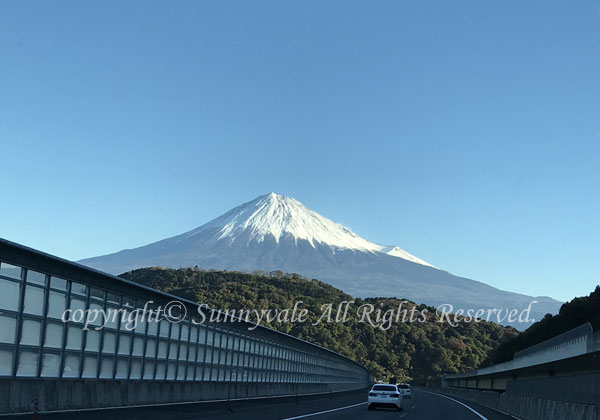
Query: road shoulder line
x=324, y=412
x=458, y=402
x=506, y=413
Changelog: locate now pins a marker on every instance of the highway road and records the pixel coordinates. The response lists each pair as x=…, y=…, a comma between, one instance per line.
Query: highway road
x=423, y=406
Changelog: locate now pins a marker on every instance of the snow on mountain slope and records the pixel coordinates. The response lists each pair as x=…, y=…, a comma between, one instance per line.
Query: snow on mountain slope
x=396, y=251
x=278, y=217
x=273, y=232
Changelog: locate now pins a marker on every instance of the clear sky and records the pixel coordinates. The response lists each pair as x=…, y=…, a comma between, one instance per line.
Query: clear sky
x=466, y=132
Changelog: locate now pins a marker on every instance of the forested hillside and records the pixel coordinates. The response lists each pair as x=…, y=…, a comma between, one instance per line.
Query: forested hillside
x=572, y=314
x=407, y=350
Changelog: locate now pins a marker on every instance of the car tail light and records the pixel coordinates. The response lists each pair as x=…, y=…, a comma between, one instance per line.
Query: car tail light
x=372, y=394
x=395, y=395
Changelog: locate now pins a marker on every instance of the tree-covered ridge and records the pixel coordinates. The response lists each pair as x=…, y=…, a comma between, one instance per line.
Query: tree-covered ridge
x=572, y=314
x=407, y=350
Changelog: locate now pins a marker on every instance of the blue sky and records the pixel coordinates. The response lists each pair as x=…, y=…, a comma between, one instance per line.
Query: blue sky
x=466, y=132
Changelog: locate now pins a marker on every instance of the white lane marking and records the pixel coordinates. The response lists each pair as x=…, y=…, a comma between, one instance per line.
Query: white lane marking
x=324, y=412
x=456, y=401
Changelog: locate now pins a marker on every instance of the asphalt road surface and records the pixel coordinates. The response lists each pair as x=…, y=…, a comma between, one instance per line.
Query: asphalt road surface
x=424, y=405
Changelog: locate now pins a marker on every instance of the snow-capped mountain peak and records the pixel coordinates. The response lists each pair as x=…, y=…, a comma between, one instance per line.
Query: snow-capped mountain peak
x=280, y=217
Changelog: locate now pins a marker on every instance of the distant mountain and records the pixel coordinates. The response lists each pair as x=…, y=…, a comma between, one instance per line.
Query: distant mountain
x=275, y=232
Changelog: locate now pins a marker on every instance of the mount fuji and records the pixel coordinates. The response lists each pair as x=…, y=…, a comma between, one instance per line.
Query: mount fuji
x=274, y=232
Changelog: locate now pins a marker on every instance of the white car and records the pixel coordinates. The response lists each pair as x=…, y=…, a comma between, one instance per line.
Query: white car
x=384, y=395
x=405, y=390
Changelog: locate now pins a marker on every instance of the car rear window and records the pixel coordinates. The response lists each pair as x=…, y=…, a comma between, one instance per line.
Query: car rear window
x=403, y=386
x=384, y=388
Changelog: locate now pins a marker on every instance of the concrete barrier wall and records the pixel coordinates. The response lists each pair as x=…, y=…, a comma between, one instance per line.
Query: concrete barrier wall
x=582, y=388
x=528, y=408
x=54, y=395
